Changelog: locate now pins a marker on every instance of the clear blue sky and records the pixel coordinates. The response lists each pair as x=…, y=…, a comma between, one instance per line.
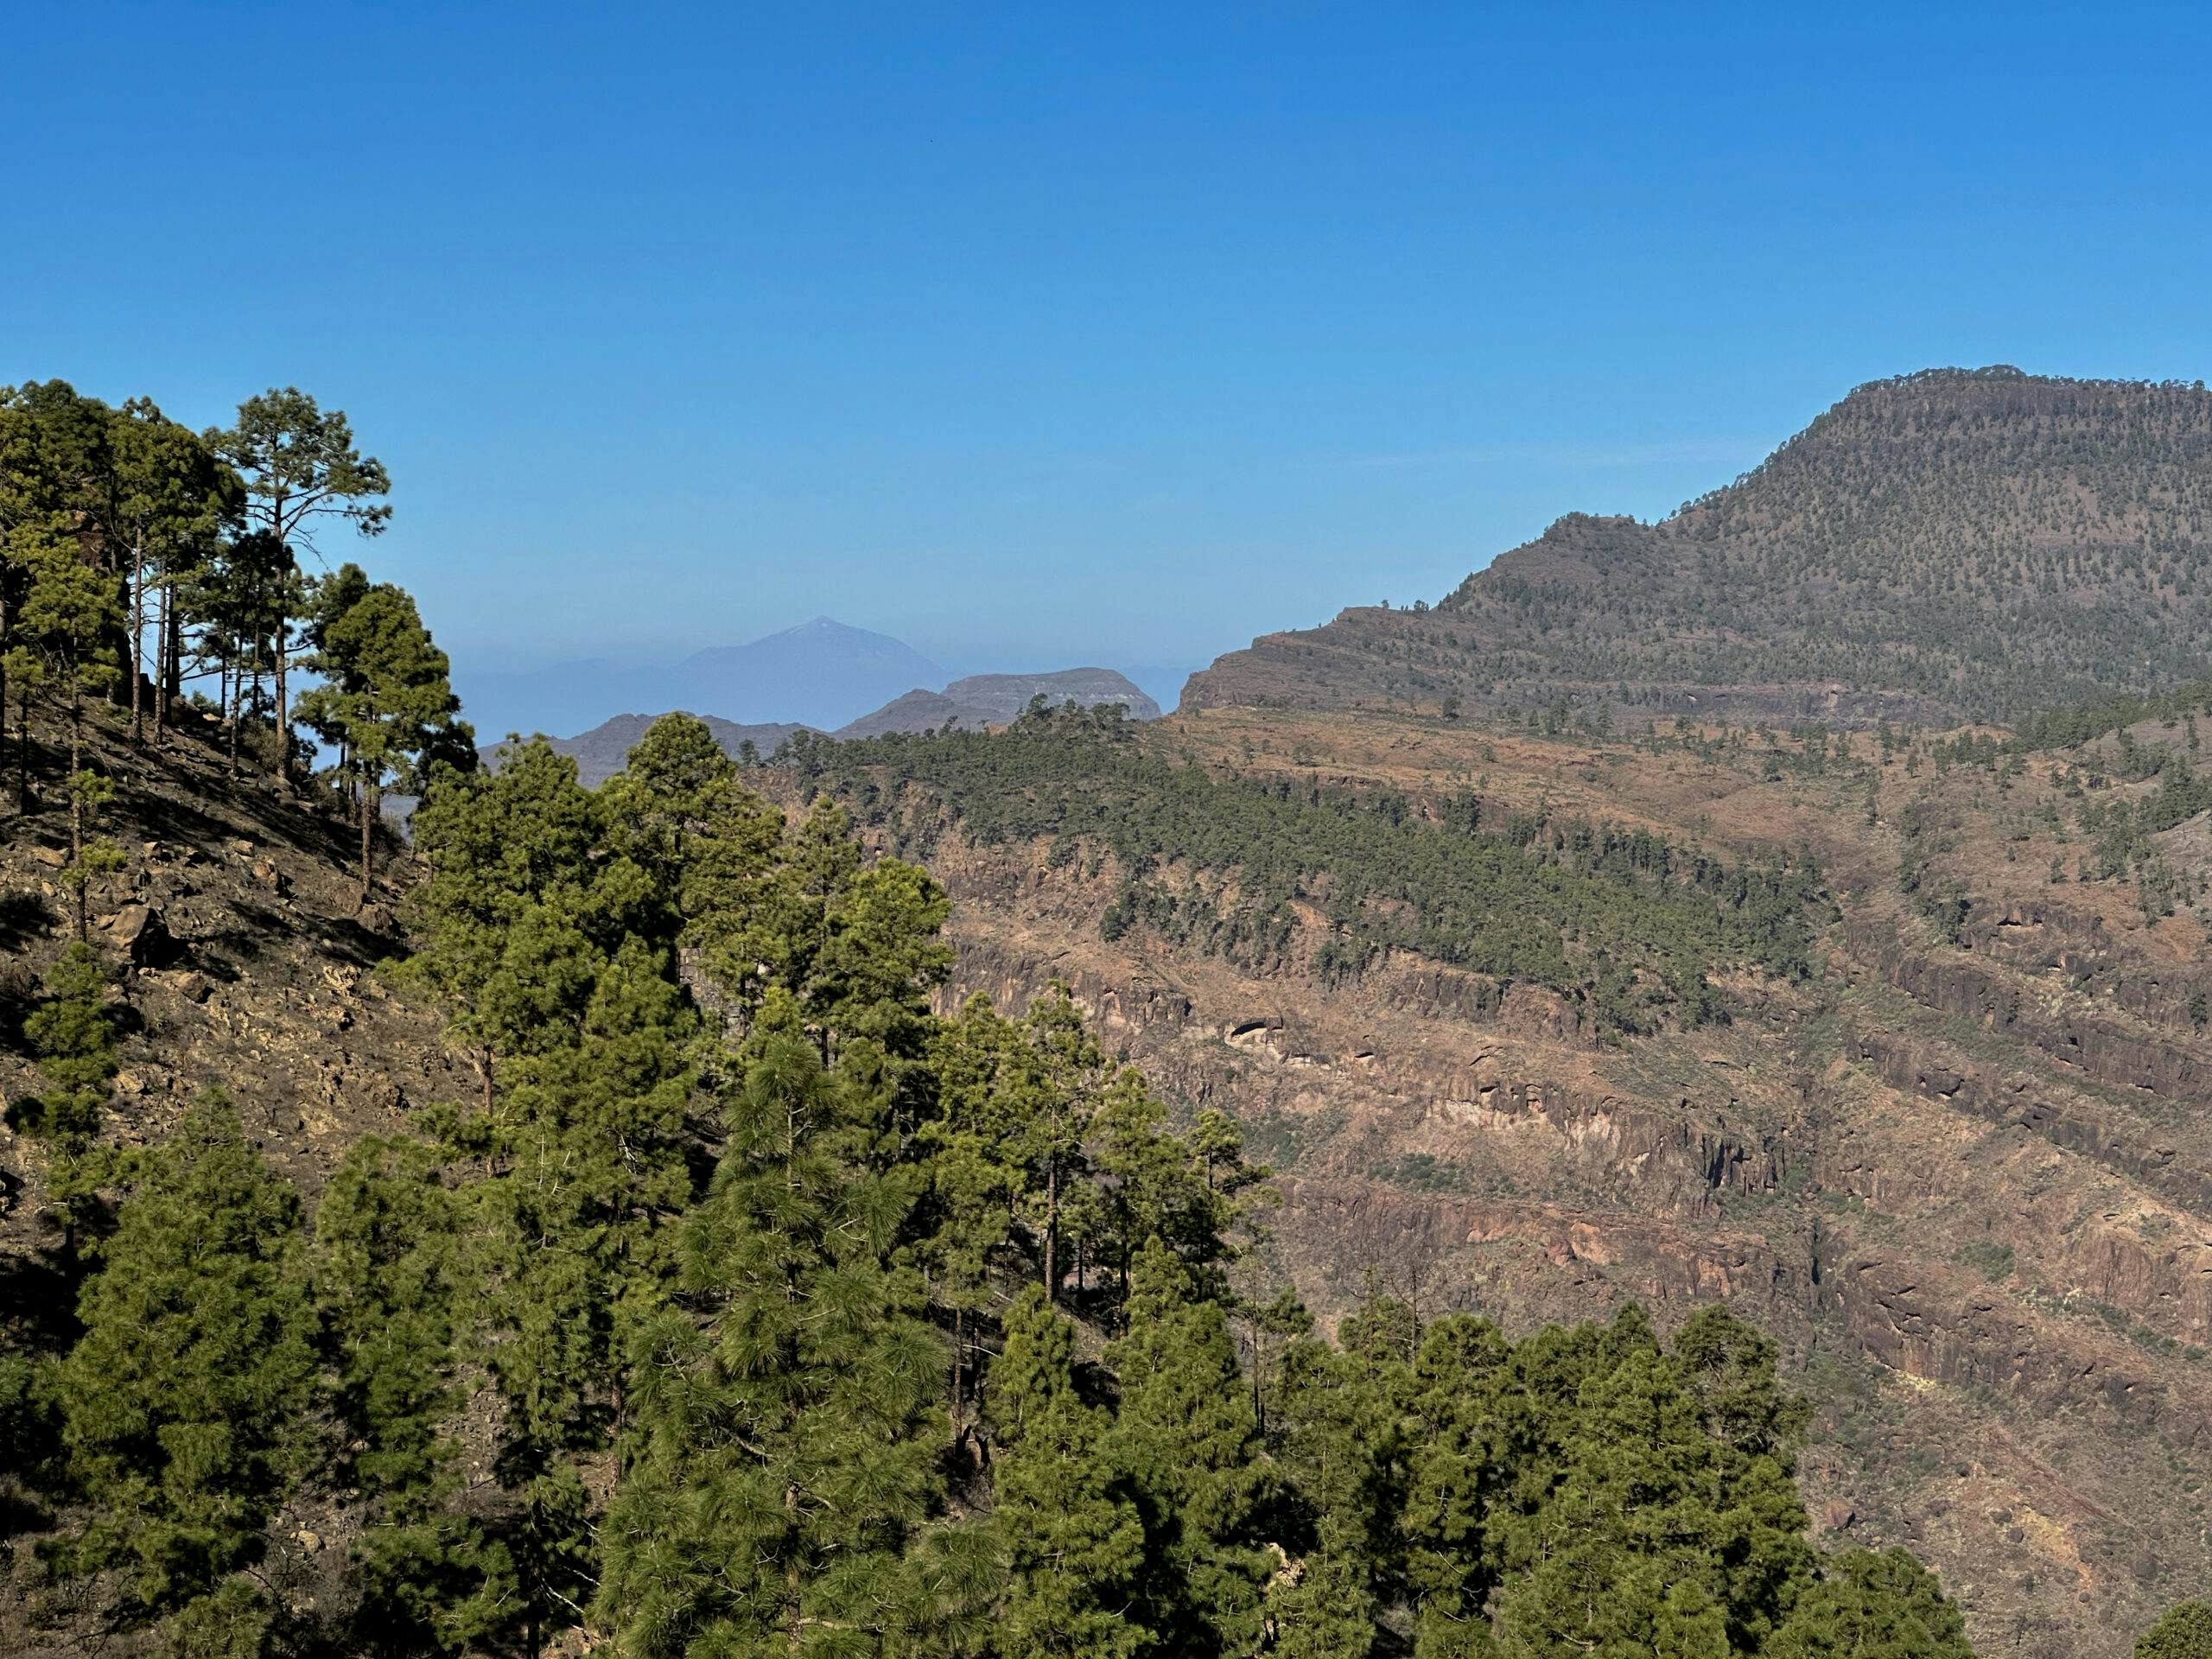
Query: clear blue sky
x=1051, y=333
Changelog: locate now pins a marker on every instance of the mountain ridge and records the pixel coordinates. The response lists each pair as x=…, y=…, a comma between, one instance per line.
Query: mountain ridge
x=1944, y=545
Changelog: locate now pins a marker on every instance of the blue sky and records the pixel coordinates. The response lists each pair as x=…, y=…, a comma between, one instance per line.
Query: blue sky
x=1047, y=333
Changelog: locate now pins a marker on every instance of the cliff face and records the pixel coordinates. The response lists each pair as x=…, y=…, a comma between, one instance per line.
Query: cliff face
x=1951, y=544
x=1968, y=1182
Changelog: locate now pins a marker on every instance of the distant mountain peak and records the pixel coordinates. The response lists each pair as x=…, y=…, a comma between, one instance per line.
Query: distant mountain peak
x=1945, y=544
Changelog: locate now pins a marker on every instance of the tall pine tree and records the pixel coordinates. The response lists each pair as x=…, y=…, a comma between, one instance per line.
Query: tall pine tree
x=184, y=1404
x=1073, y=1541
x=782, y=1482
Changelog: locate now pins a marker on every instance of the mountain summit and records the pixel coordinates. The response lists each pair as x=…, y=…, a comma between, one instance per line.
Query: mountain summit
x=820, y=673
x=1955, y=543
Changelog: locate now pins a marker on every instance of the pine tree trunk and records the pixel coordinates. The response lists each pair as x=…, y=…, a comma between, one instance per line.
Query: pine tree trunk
x=22, y=749
x=372, y=802
x=161, y=662
x=173, y=686
x=77, y=799
x=138, y=632
x=959, y=1374
x=791, y=1569
x=1053, y=1229
x=283, y=709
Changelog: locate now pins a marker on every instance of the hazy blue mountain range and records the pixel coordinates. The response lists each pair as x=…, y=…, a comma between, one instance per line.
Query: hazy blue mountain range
x=822, y=676
x=978, y=700
x=821, y=673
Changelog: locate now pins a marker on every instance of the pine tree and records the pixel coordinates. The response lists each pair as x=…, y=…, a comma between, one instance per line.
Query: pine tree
x=2184, y=1632
x=301, y=468
x=390, y=1282
x=1655, y=1534
x=710, y=846
x=503, y=848
x=1070, y=1073
x=1071, y=1537
x=855, y=942
x=170, y=499
x=1879, y=1605
x=571, y=1238
x=781, y=1484
x=975, y=1176
x=1188, y=1439
x=240, y=599
x=183, y=1404
x=336, y=663
x=1188, y=1194
x=69, y=610
x=72, y=1035
x=71, y=1032
x=392, y=704
x=60, y=610
x=1456, y=1477
x=1338, y=1440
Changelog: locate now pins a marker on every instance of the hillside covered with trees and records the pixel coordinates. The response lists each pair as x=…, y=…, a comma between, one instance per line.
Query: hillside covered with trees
x=1950, y=544
x=1629, y=926
x=769, y=1311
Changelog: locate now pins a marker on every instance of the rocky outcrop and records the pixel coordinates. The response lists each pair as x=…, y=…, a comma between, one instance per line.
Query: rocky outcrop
x=2102, y=1050
x=2012, y=1099
x=1920, y=1321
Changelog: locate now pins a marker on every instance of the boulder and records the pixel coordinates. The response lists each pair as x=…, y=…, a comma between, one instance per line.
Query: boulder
x=138, y=932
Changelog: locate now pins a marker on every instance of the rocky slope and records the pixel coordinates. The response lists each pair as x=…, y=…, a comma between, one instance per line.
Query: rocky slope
x=1950, y=544
x=246, y=963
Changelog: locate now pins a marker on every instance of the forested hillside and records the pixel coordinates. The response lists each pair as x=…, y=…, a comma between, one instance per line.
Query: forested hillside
x=748, y=1305
x=1266, y=1187
x=1895, y=1037
x=1951, y=544
x=1629, y=926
